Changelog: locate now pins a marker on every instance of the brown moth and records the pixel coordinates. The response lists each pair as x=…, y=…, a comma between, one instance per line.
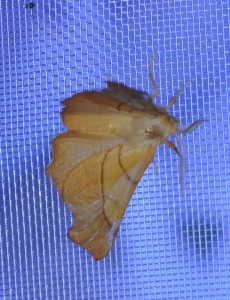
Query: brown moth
x=111, y=139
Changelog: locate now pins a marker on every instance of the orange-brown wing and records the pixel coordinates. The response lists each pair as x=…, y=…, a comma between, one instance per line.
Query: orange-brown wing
x=72, y=147
x=98, y=190
x=127, y=95
x=98, y=163
x=97, y=113
x=93, y=112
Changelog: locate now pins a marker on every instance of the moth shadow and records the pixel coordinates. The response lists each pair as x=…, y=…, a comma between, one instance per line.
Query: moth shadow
x=200, y=235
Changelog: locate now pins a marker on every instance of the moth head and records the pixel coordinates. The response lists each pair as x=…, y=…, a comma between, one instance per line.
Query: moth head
x=174, y=122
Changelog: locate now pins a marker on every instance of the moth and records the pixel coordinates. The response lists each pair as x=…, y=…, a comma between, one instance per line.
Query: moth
x=111, y=139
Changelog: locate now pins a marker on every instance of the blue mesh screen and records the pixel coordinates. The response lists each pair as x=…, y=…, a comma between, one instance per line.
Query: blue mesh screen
x=170, y=245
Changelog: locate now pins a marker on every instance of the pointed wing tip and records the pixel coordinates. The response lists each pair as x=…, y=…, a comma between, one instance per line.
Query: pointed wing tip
x=97, y=254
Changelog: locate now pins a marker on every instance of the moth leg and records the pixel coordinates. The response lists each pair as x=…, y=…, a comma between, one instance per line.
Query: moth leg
x=108, y=78
x=155, y=94
x=174, y=98
x=191, y=127
x=156, y=170
x=173, y=147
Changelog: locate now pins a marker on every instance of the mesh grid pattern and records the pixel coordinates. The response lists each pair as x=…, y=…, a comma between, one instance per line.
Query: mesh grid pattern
x=169, y=246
